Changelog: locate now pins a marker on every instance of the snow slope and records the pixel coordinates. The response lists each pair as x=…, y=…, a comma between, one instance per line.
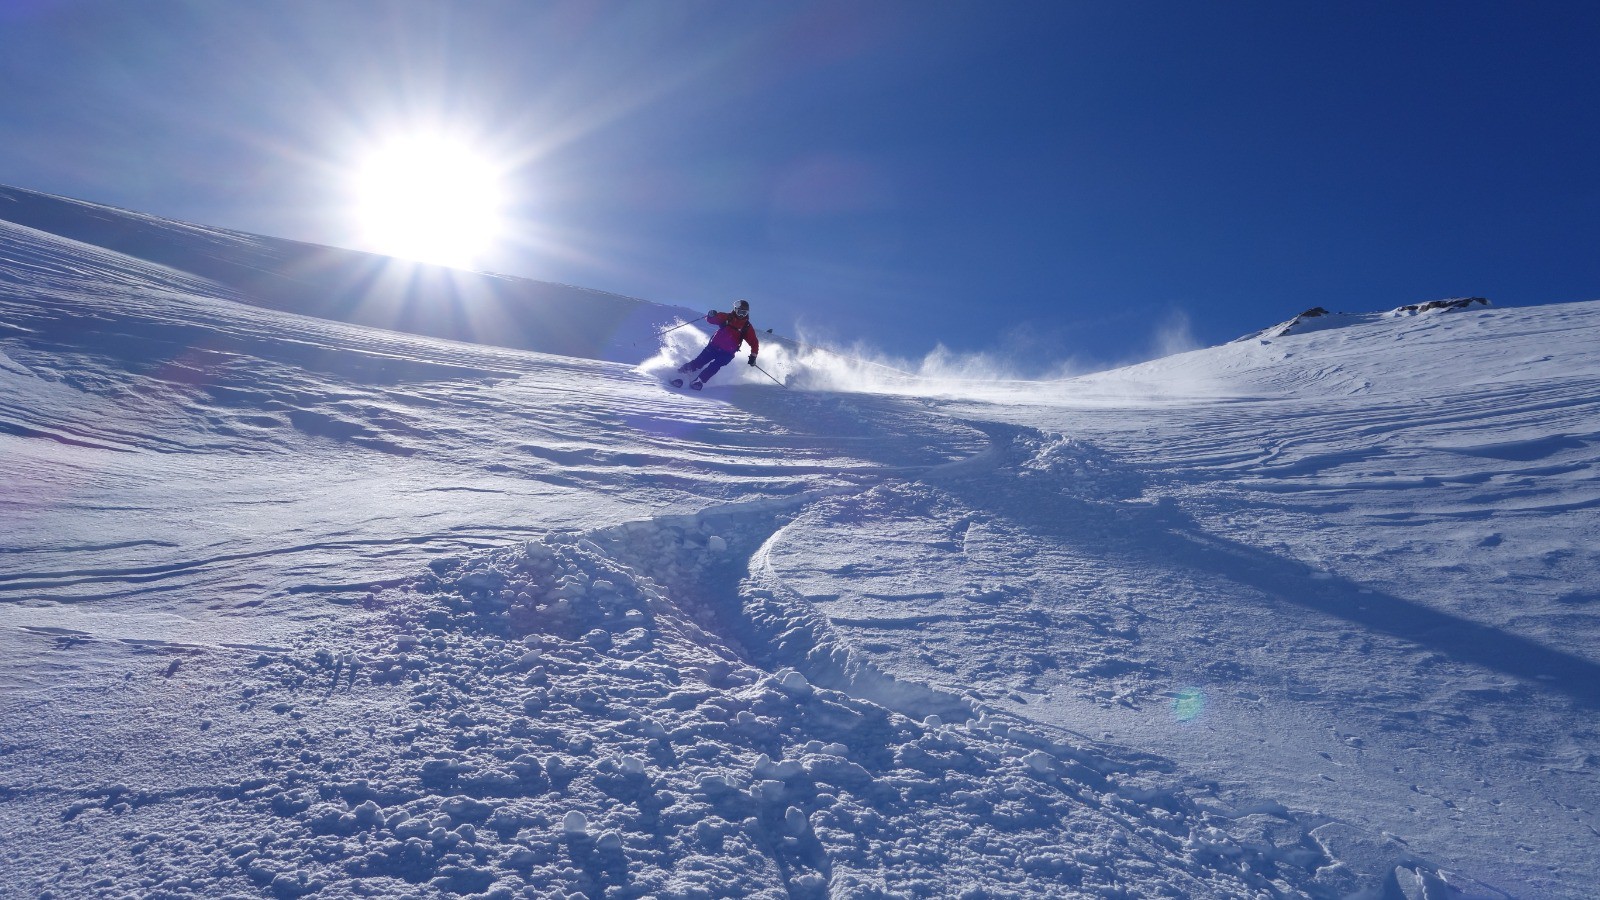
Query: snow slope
x=297, y=606
x=1352, y=571
x=360, y=288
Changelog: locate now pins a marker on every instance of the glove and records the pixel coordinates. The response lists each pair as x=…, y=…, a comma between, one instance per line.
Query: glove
x=752, y=359
x=711, y=313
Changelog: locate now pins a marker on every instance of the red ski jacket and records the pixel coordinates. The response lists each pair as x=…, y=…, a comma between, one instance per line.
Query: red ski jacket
x=734, y=331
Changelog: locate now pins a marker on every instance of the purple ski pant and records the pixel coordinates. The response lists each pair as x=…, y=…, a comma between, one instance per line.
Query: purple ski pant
x=712, y=360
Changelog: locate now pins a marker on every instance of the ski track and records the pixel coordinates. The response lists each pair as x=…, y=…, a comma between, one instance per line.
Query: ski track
x=1469, y=488
x=539, y=629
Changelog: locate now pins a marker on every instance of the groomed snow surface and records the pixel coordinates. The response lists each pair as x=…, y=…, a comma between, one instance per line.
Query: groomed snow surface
x=297, y=607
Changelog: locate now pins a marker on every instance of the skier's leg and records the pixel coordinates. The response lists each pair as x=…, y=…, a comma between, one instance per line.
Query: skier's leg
x=699, y=361
x=719, y=359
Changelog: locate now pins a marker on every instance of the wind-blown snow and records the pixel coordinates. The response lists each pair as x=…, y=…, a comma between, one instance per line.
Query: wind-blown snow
x=294, y=606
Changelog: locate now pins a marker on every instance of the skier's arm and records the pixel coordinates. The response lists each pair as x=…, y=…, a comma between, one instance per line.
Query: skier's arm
x=716, y=318
x=755, y=345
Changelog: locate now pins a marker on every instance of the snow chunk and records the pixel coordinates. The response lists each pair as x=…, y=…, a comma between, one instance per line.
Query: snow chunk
x=767, y=792
x=782, y=771
x=713, y=784
x=1040, y=761
x=795, y=821
x=793, y=683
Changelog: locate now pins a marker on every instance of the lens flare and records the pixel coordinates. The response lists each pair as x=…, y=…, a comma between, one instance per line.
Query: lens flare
x=1188, y=704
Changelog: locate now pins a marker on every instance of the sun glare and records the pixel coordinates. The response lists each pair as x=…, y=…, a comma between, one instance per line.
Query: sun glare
x=430, y=199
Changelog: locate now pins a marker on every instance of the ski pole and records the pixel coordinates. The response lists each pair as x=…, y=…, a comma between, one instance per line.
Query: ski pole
x=769, y=375
x=674, y=328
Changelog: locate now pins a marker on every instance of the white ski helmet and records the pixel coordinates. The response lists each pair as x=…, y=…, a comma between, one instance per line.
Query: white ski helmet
x=742, y=308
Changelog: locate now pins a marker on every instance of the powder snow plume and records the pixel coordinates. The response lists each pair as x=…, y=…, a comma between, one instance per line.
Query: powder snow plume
x=1022, y=370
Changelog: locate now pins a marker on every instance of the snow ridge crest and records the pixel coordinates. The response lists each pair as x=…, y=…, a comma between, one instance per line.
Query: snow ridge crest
x=1318, y=318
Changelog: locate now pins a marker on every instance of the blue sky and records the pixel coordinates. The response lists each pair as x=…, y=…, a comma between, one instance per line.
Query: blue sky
x=1036, y=180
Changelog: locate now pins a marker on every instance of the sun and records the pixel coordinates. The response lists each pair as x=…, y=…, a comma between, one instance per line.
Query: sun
x=429, y=198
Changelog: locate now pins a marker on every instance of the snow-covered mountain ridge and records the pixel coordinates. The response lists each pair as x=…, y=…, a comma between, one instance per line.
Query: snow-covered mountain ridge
x=1317, y=318
x=359, y=288
x=293, y=606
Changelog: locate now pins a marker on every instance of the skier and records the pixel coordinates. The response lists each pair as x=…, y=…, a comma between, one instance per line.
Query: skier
x=735, y=330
